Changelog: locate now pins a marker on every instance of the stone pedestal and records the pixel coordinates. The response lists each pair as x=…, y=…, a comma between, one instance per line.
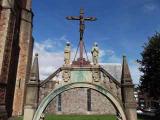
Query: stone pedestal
x=129, y=101
x=28, y=112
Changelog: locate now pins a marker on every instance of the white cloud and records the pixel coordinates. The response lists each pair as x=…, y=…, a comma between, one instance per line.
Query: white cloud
x=110, y=52
x=149, y=7
x=51, y=55
x=112, y=57
x=49, y=60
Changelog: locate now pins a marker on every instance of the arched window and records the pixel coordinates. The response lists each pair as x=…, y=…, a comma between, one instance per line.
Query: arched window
x=89, y=99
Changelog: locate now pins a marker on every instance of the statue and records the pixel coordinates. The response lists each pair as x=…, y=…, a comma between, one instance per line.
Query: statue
x=67, y=53
x=95, y=53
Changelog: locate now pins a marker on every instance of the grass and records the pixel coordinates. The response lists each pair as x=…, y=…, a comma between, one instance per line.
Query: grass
x=80, y=117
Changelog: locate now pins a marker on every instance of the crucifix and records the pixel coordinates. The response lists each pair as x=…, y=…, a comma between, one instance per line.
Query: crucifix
x=81, y=19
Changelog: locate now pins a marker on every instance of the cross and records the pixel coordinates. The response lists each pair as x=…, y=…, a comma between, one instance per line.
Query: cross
x=81, y=19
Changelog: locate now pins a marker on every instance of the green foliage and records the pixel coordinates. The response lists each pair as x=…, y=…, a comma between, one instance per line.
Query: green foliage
x=150, y=67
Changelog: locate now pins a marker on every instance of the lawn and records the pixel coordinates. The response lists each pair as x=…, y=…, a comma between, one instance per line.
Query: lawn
x=80, y=117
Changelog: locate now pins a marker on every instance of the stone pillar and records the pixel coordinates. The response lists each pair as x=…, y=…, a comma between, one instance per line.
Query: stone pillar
x=127, y=91
x=9, y=28
x=26, y=42
x=32, y=94
x=4, y=23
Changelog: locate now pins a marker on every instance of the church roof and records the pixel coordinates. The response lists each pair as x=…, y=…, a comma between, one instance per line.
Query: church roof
x=115, y=69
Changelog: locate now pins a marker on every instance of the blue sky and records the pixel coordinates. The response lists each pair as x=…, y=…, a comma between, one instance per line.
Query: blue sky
x=122, y=27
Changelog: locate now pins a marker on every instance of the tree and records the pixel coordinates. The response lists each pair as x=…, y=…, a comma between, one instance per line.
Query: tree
x=150, y=67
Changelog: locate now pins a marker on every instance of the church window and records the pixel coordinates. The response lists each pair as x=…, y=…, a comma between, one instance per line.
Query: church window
x=59, y=102
x=89, y=99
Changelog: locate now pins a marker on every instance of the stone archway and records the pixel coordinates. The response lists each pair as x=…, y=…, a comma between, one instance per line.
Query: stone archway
x=44, y=103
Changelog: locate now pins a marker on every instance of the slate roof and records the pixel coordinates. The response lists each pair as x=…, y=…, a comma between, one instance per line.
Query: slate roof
x=115, y=69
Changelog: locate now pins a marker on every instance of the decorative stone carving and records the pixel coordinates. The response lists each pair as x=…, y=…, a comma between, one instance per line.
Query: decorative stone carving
x=66, y=75
x=106, y=79
x=96, y=75
x=95, y=53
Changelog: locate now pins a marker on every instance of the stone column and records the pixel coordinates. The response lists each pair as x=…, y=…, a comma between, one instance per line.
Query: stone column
x=4, y=23
x=127, y=91
x=26, y=42
x=9, y=25
x=32, y=94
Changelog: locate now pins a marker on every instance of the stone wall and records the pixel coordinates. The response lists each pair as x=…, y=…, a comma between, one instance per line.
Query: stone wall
x=16, y=44
x=9, y=50
x=100, y=104
x=74, y=101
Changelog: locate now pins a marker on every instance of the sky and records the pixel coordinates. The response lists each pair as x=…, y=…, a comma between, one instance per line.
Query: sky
x=122, y=27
